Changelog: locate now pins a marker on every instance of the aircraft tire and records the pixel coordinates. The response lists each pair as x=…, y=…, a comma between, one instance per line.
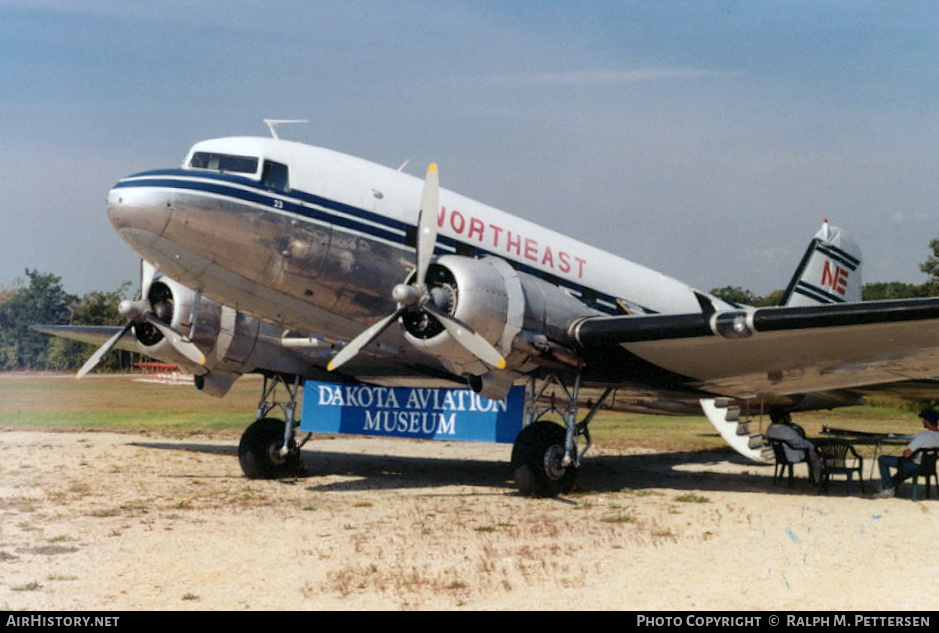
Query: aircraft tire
x=259, y=451
x=536, y=457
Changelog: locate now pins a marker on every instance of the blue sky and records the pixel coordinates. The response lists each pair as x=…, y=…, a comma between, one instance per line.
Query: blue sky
x=706, y=139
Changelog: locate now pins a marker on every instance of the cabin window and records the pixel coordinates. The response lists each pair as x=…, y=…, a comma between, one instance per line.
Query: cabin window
x=275, y=177
x=588, y=296
x=464, y=249
x=224, y=162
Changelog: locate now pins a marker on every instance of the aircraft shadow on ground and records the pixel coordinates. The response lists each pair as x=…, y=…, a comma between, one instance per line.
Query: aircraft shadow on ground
x=598, y=474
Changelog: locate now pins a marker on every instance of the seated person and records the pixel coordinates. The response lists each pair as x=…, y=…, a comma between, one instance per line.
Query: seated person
x=782, y=428
x=906, y=467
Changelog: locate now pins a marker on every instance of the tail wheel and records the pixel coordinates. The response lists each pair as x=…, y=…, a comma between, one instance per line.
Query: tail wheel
x=536, y=461
x=259, y=451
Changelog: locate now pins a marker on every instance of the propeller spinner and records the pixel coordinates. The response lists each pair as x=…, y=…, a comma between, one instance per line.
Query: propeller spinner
x=417, y=296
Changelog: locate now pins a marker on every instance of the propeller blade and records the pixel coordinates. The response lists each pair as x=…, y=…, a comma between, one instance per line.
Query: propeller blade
x=408, y=296
x=147, y=275
x=184, y=346
x=427, y=222
x=467, y=337
x=363, y=339
x=92, y=362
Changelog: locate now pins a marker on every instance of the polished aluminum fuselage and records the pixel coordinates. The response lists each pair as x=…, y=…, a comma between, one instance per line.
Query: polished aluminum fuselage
x=322, y=257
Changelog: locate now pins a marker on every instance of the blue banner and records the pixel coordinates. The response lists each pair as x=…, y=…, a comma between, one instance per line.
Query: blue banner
x=415, y=412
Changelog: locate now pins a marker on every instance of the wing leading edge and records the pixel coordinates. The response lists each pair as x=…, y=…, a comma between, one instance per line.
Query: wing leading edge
x=778, y=351
x=92, y=334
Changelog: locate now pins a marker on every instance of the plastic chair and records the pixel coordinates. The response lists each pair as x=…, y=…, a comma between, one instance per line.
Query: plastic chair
x=782, y=460
x=839, y=458
x=927, y=469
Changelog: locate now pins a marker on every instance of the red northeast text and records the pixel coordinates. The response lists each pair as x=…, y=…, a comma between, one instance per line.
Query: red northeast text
x=500, y=239
x=835, y=277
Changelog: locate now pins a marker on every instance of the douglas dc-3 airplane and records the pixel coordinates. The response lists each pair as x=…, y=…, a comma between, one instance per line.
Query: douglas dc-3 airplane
x=300, y=263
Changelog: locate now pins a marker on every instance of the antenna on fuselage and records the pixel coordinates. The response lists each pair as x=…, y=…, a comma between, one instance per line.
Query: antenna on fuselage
x=273, y=123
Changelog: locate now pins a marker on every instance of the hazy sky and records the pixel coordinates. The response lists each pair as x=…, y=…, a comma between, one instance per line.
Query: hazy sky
x=706, y=139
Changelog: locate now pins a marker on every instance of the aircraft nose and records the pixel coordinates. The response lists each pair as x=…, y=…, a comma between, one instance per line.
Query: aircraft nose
x=139, y=215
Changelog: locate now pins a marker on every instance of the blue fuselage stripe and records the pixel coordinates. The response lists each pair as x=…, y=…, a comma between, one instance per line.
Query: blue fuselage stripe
x=319, y=209
x=265, y=197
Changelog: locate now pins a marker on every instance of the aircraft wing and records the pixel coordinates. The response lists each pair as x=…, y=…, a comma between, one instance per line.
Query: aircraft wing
x=771, y=352
x=92, y=334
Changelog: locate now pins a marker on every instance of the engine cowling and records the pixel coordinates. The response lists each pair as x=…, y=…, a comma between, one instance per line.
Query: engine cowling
x=233, y=343
x=506, y=307
x=169, y=301
x=472, y=291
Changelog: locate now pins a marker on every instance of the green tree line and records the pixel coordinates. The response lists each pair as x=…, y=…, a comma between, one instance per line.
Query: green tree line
x=40, y=298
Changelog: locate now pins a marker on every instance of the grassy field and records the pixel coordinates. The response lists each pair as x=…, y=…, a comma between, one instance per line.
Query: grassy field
x=122, y=403
x=61, y=402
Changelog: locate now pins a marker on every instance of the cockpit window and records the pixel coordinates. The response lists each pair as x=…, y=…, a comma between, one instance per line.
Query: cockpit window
x=224, y=162
x=275, y=177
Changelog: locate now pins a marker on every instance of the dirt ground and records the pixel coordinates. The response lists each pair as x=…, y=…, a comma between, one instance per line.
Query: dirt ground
x=108, y=521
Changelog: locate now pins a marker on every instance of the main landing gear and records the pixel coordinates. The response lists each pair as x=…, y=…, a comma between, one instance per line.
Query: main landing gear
x=268, y=448
x=545, y=458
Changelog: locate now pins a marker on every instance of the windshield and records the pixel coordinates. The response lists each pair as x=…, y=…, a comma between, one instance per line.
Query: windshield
x=224, y=162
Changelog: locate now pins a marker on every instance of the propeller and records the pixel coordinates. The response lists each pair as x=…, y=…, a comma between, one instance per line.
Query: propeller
x=416, y=296
x=92, y=362
x=137, y=312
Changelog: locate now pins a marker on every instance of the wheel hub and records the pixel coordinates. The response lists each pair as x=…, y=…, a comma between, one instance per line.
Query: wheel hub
x=273, y=451
x=553, y=460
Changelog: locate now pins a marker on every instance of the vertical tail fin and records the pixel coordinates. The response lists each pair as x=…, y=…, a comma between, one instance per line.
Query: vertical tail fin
x=830, y=271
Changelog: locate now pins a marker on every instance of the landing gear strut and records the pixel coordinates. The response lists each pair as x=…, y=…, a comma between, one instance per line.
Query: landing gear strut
x=268, y=448
x=545, y=458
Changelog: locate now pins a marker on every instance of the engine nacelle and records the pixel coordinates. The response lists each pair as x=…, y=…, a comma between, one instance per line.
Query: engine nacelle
x=169, y=301
x=500, y=304
x=233, y=343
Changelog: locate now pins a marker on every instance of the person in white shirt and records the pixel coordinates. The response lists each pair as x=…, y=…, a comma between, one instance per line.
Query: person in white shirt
x=782, y=428
x=906, y=467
